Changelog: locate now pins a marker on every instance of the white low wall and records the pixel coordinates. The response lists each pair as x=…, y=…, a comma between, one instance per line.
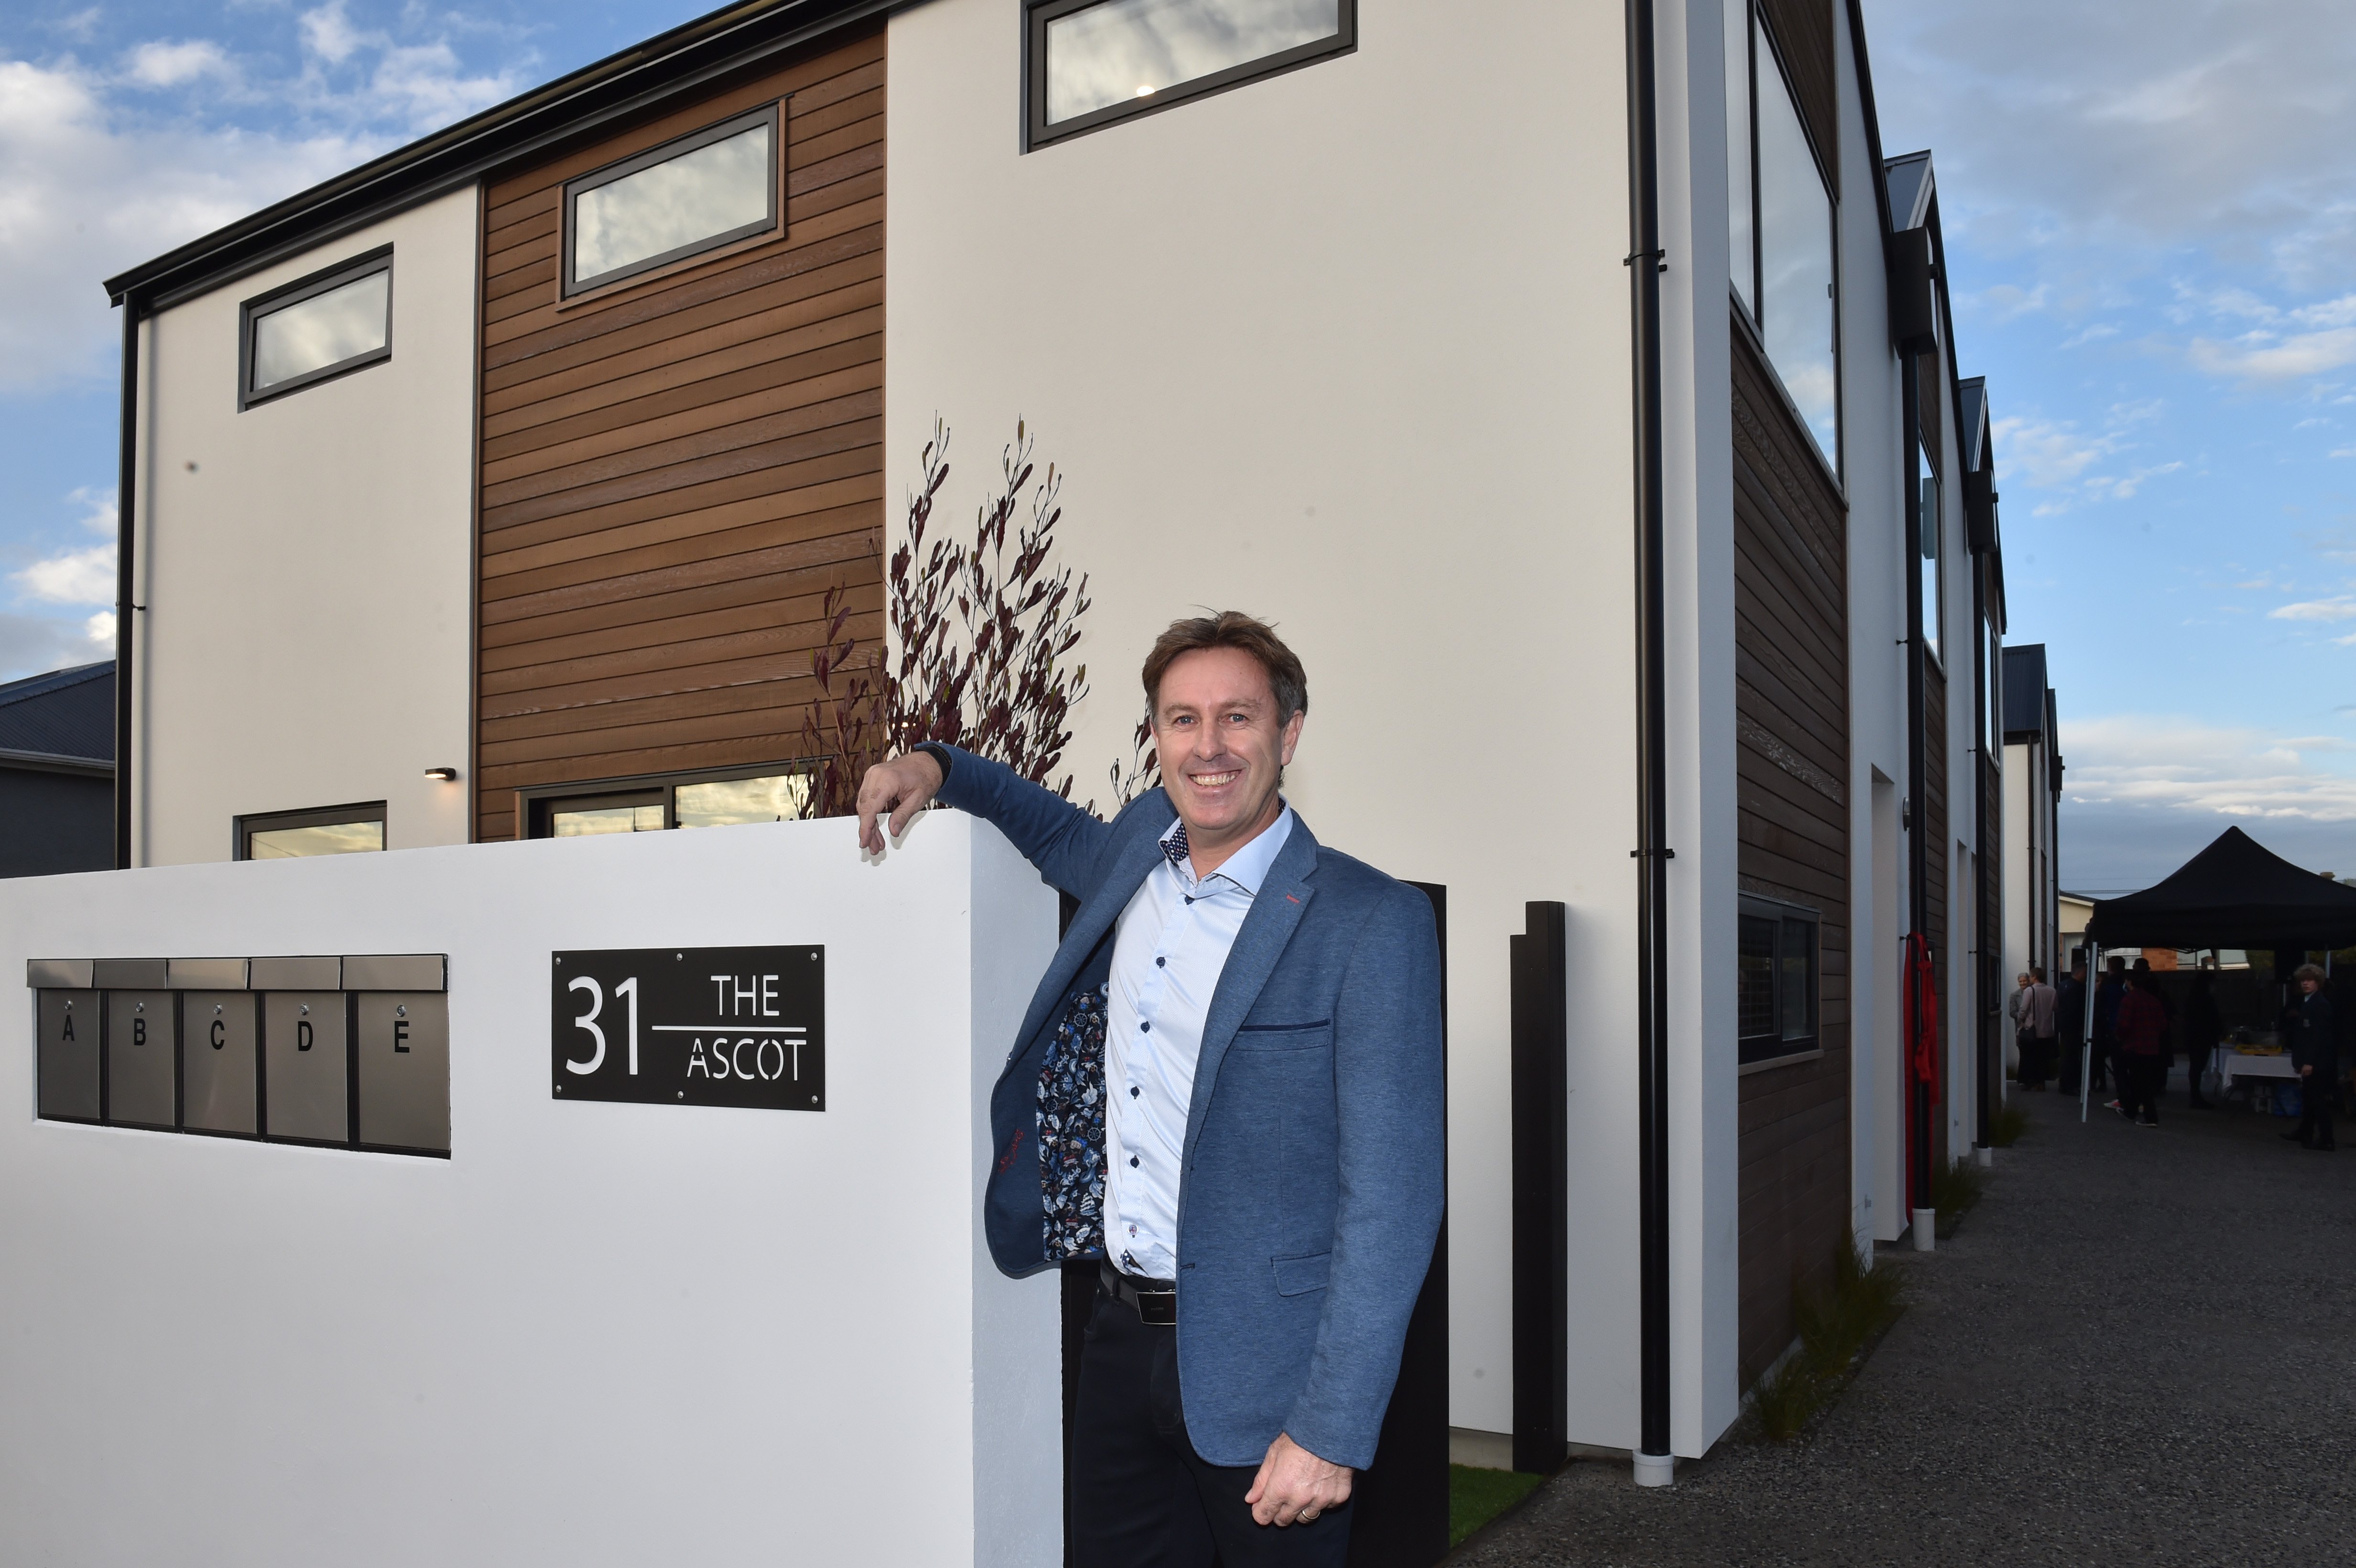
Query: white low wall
x=597, y=1333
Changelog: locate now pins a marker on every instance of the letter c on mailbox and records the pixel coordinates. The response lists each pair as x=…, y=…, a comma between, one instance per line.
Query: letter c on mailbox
x=221, y=1034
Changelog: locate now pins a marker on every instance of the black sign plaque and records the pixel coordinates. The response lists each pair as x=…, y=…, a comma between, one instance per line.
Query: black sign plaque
x=690, y=1026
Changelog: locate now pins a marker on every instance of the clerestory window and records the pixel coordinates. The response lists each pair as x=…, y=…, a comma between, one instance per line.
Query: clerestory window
x=1088, y=63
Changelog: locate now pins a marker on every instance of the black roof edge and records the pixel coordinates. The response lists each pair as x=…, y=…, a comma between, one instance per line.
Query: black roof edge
x=457, y=155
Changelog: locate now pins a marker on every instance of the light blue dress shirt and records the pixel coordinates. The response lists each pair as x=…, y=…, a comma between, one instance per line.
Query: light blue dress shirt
x=1169, y=949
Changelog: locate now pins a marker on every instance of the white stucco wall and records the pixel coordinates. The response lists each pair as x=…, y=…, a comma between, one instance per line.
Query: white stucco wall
x=1348, y=348
x=305, y=564
x=598, y=1333
x=1874, y=474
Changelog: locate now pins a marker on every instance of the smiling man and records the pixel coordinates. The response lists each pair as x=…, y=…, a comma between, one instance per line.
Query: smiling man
x=1228, y=1091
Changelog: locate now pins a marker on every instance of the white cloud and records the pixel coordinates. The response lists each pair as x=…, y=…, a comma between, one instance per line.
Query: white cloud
x=30, y=644
x=2262, y=356
x=84, y=193
x=161, y=64
x=74, y=577
x=329, y=34
x=2339, y=609
x=2048, y=453
x=2189, y=766
x=98, y=509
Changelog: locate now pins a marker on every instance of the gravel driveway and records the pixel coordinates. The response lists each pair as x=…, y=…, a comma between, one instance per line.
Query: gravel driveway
x=2140, y=1348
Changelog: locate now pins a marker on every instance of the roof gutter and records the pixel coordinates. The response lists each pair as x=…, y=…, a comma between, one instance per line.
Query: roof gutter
x=1654, y=1463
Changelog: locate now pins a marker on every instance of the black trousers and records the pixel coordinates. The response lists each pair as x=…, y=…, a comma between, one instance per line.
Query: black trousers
x=2140, y=1077
x=1141, y=1497
x=2315, y=1110
x=2072, y=1062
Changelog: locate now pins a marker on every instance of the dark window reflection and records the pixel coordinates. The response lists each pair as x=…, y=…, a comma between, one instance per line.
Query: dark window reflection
x=1125, y=49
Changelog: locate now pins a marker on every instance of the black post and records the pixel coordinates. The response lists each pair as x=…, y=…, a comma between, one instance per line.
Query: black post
x=1646, y=262
x=1401, y=1500
x=1541, y=1192
x=126, y=509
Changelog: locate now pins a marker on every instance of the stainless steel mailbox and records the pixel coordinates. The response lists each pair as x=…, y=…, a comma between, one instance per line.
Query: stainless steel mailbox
x=220, y=1073
x=142, y=1058
x=305, y=1090
x=68, y=1056
x=403, y=1053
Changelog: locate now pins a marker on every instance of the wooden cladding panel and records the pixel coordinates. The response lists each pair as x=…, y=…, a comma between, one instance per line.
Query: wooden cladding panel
x=676, y=471
x=1791, y=642
x=1803, y=32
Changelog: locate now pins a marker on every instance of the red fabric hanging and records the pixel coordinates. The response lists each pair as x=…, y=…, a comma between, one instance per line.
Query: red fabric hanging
x=1921, y=1014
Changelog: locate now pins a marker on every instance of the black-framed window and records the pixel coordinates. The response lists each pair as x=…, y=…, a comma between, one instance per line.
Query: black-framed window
x=1782, y=228
x=653, y=803
x=1088, y=63
x=1776, y=998
x=295, y=835
x=697, y=193
x=316, y=328
x=1929, y=538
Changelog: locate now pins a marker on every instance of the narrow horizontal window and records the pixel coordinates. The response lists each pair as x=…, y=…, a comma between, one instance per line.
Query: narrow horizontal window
x=1092, y=61
x=702, y=191
x=318, y=328
x=654, y=803
x=721, y=803
x=296, y=835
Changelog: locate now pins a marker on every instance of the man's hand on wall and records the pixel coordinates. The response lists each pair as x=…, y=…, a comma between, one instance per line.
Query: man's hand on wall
x=902, y=787
x=1293, y=1483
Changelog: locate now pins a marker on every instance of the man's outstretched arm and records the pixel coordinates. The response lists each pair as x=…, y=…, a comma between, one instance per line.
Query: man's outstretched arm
x=1058, y=838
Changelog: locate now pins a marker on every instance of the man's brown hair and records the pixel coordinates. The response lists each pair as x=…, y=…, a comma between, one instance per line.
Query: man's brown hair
x=1231, y=629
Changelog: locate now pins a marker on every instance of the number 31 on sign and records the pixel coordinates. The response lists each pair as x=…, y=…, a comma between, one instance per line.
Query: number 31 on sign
x=690, y=1026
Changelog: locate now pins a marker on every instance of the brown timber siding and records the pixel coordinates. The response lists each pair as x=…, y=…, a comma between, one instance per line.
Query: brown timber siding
x=676, y=469
x=1790, y=704
x=1804, y=33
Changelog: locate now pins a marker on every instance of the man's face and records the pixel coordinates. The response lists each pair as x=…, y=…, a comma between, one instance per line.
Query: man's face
x=2310, y=985
x=1221, y=749
x=2024, y=979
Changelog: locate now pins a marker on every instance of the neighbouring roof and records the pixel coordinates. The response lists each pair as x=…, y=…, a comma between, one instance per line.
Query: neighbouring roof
x=2025, y=690
x=66, y=713
x=2235, y=893
x=543, y=118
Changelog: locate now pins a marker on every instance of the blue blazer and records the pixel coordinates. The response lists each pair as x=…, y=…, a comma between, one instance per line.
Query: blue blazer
x=1312, y=1180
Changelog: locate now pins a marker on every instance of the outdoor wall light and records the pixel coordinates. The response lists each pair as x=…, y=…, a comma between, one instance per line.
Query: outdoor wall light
x=447, y=775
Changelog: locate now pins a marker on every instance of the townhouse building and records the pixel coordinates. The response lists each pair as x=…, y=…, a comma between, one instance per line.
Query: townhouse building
x=1576, y=385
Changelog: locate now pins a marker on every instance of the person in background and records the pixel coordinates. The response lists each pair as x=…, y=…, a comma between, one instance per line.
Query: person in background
x=2202, y=1029
x=2140, y=1050
x=2016, y=1007
x=2069, y=1014
x=2107, y=993
x=2315, y=1052
x=2043, y=1004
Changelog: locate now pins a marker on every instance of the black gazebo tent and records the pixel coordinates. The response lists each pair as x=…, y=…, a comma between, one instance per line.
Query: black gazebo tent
x=2235, y=893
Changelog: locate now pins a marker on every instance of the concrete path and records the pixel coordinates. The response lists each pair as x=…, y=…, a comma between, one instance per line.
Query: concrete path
x=2140, y=1348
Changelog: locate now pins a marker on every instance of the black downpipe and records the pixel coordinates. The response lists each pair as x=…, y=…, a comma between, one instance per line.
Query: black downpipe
x=1645, y=264
x=125, y=508
x=1918, y=900
x=1991, y=1056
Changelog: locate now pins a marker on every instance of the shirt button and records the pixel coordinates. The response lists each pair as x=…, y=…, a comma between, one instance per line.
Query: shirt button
x=1144, y=1028
x=1132, y=1091
x=1161, y=963
x=1190, y=898
x=1132, y=1160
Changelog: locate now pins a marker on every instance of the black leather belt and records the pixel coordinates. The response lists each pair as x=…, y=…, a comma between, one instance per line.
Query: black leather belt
x=1155, y=1301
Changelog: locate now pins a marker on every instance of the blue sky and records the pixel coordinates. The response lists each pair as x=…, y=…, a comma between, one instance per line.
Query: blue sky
x=2151, y=219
